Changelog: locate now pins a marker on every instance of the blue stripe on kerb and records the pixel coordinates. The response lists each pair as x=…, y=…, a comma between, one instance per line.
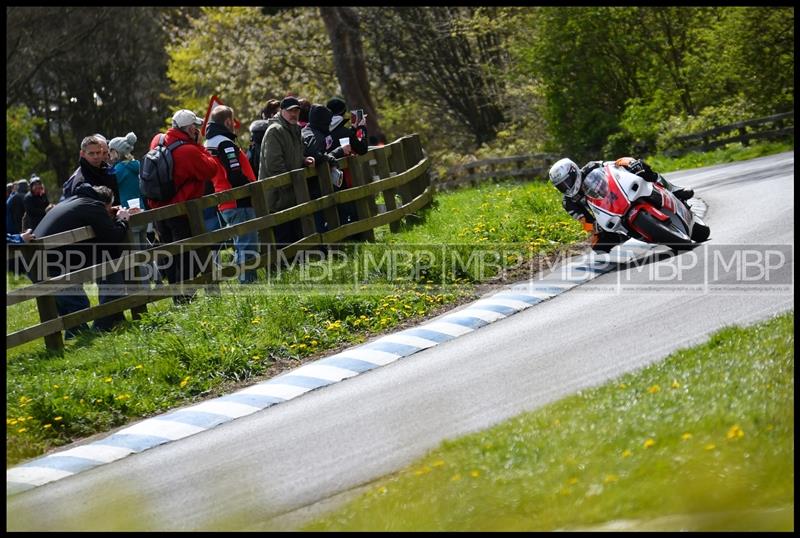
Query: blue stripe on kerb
x=428, y=334
x=300, y=381
x=466, y=321
x=137, y=443
x=499, y=308
x=354, y=365
x=530, y=299
x=392, y=347
x=71, y=464
x=201, y=419
x=255, y=400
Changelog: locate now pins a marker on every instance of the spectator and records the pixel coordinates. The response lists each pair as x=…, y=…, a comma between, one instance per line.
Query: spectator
x=92, y=169
x=126, y=169
x=36, y=204
x=89, y=206
x=235, y=171
x=192, y=167
x=318, y=143
x=15, y=207
x=357, y=134
x=257, y=130
x=9, y=190
x=282, y=151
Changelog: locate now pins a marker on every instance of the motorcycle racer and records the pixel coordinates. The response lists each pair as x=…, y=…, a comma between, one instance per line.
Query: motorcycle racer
x=568, y=179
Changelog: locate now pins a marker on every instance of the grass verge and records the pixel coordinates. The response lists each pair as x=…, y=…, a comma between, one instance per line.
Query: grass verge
x=706, y=436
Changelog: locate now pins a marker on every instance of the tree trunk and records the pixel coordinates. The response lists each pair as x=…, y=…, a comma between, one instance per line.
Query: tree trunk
x=342, y=24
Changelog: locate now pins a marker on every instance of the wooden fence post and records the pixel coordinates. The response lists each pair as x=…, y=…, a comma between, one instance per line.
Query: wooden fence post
x=266, y=236
x=389, y=195
x=397, y=162
x=46, y=304
x=197, y=226
x=137, y=311
x=331, y=214
x=414, y=154
x=301, y=196
x=363, y=208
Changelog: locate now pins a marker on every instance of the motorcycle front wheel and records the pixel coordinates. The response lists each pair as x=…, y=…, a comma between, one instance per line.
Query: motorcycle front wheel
x=664, y=233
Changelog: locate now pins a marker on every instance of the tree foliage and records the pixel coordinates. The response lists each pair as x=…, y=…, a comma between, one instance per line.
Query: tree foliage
x=247, y=58
x=85, y=70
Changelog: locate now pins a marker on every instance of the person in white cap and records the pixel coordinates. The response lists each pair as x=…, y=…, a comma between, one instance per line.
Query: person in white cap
x=192, y=167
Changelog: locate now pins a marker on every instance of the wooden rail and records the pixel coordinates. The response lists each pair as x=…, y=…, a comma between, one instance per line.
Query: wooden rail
x=782, y=126
x=399, y=171
x=521, y=167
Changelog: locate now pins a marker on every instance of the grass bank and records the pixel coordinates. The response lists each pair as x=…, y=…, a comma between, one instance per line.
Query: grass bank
x=705, y=436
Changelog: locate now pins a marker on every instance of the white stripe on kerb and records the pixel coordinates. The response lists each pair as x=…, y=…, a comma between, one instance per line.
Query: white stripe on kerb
x=450, y=329
x=371, y=355
x=35, y=475
x=224, y=408
x=277, y=390
x=485, y=315
x=408, y=340
x=162, y=428
x=323, y=371
x=96, y=452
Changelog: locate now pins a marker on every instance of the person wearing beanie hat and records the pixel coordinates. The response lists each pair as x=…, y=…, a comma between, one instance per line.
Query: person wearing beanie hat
x=126, y=167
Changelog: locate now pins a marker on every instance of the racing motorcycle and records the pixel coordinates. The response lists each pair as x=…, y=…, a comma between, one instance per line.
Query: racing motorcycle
x=625, y=203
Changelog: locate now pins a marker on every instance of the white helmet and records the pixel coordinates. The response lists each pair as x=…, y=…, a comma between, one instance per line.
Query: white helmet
x=566, y=176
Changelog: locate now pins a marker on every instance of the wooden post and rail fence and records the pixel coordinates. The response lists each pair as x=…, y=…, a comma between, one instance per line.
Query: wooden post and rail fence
x=399, y=171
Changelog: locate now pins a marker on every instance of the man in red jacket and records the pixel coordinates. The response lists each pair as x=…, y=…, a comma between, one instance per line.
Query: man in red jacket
x=192, y=167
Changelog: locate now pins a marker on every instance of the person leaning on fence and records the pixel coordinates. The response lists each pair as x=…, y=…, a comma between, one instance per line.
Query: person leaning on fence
x=126, y=169
x=234, y=171
x=359, y=145
x=318, y=144
x=192, y=167
x=282, y=151
x=89, y=206
x=257, y=130
x=92, y=168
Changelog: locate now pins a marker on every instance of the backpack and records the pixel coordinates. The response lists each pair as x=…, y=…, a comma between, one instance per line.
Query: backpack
x=155, y=175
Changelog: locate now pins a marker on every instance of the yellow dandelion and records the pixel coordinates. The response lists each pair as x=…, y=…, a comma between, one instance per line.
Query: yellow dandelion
x=185, y=381
x=710, y=446
x=649, y=443
x=654, y=389
x=58, y=418
x=108, y=380
x=66, y=397
x=474, y=473
x=686, y=436
x=21, y=430
x=735, y=432
x=455, y=478
x=610, y=478
x=47, y=426
x=622, y=385
x=55, y=386
x=424, y=470
x=675, y=384
x=13, y=422
x=382, y=490
x=627, y=453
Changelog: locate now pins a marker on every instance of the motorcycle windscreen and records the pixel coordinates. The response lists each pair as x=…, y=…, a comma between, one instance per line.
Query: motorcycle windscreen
x=603, y=192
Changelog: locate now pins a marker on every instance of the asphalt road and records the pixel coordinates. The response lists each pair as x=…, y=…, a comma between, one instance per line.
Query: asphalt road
x=267, y=469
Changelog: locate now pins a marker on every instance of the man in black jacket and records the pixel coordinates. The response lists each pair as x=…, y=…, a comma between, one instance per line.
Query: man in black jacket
x=90, y=206
x=92, y=169
x=36, y=204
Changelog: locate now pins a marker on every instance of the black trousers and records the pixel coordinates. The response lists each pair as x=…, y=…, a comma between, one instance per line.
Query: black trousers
x=180, y=266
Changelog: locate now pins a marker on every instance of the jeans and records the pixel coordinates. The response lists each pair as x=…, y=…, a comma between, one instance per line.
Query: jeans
x=245, y=245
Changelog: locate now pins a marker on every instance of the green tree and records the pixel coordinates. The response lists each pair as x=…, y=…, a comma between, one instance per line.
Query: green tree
x=247, y=57
x=22, y=156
